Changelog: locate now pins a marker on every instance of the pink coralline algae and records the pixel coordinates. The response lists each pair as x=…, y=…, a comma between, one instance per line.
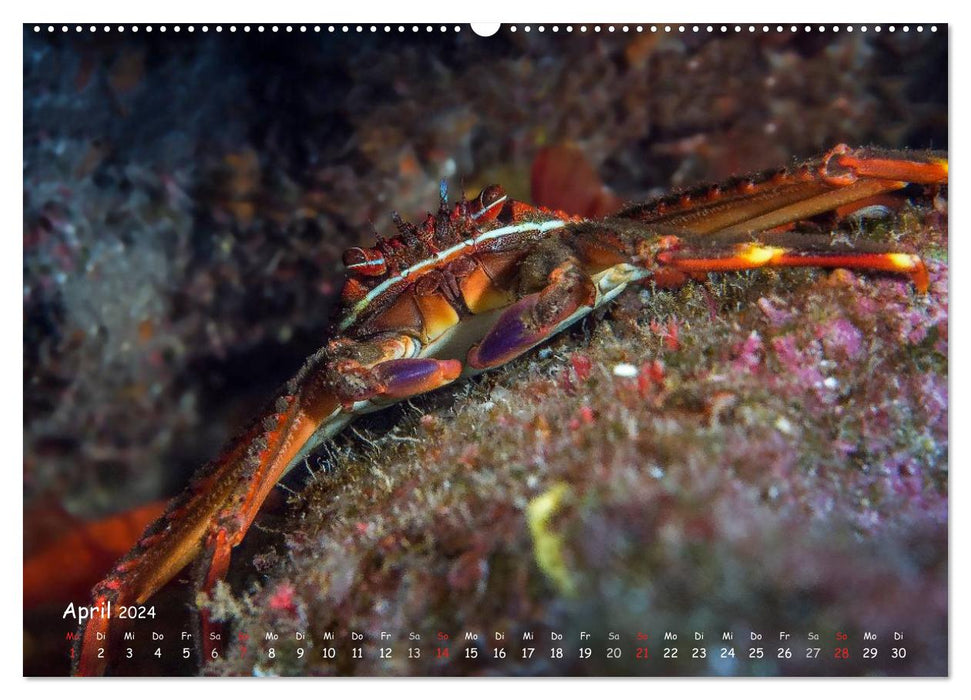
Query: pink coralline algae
x=799, y=364
x=775, y=315
x=841, y=339
x=749, y=355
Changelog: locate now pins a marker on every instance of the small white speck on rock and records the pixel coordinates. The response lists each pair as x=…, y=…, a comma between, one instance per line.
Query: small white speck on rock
x=625, y=370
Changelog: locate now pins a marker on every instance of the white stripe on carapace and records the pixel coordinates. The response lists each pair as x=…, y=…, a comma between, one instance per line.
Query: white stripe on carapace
x=366, y=263
x=441, y=255
x=496, y=203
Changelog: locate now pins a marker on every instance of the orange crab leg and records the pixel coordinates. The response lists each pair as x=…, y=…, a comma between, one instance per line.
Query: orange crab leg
x=918, y=167
x=806, y=206
x=774, y=198
x=792, y=250
x=218, y=508
x=215, y=512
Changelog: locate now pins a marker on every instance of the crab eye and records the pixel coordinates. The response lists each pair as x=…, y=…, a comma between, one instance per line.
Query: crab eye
x=489, y=201
x=369, y=263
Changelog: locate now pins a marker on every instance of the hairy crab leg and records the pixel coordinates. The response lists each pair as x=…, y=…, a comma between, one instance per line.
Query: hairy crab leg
x=773, y=198
x=393, y=379
x=214, y=513
x=727, y=228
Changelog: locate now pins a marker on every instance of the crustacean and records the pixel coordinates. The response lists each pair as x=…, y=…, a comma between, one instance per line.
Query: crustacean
x=474, y=286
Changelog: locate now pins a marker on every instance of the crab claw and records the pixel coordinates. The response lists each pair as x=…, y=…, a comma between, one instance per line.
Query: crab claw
x=509, y=337
x=399, y=379
x=533, y=319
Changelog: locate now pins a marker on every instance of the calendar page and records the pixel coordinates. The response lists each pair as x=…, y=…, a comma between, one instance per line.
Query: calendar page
x=396, y=349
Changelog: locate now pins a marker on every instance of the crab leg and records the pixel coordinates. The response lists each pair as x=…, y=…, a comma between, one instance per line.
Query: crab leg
x=729, y=228
x=774, y=198
x=214, y=513
x=788, y=250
